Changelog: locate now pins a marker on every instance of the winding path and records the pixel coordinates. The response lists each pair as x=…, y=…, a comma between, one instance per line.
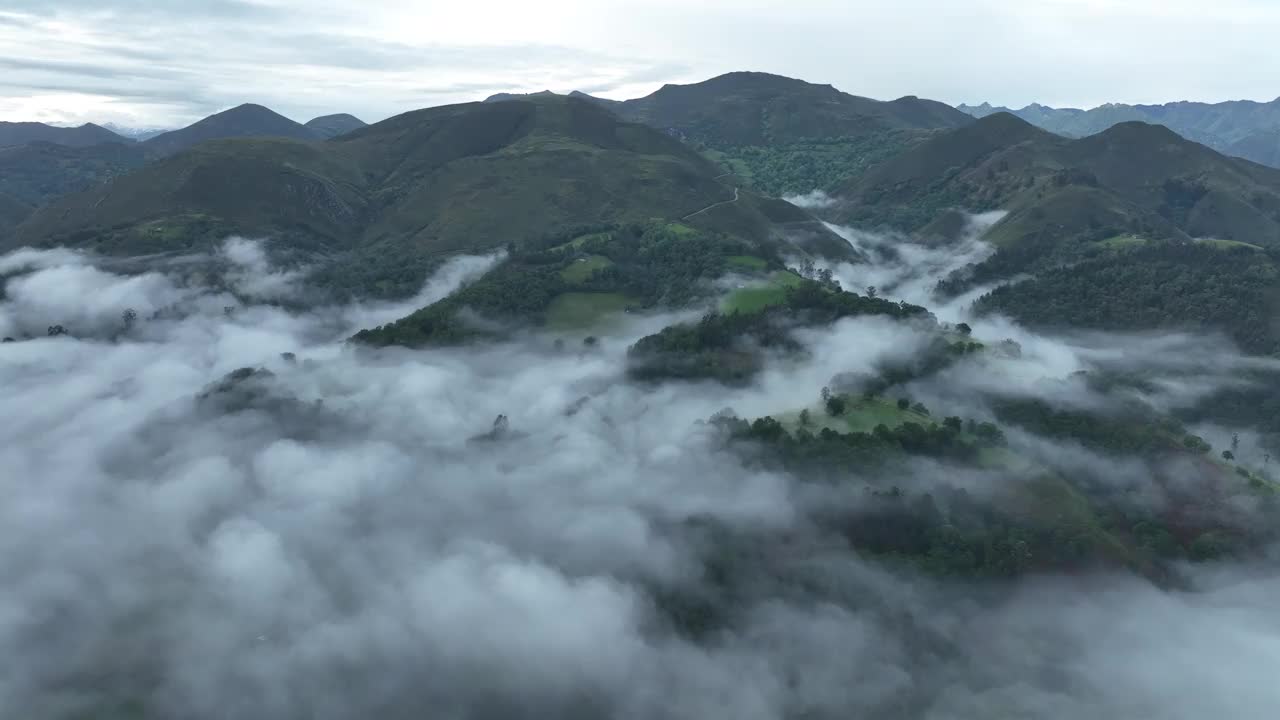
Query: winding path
x=714, y=206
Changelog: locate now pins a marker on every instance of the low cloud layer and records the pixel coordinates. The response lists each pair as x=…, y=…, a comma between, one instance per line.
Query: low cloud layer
x=340, y=534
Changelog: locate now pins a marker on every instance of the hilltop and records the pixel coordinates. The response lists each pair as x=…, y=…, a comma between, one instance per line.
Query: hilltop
x=778, y=135
x=19, y=133
x=246, y=120
x=752, y=108
x=1242, y=128
x=329, y=126
x=412, y=188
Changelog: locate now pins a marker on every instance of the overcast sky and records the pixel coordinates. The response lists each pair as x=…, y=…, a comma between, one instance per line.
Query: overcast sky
x=169, y=62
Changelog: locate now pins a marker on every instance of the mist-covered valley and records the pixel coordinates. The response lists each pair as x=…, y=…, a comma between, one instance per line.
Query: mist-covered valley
x=218, y=505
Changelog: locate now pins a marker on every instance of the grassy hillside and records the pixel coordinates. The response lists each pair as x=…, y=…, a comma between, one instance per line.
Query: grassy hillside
x=578, y=282
x=468, y=177
x=1062, y=194
x=184, y=202
x=783, y=136
x=41, y=171
x=12, y=212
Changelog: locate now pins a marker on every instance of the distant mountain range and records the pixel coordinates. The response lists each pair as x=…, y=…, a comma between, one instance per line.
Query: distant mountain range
x=18, y=133
x=392, y=196
x=1242, y=128
x=243, y=121
x=135, y=133
x=389, y=197
x=758, y=109
x=40, y=162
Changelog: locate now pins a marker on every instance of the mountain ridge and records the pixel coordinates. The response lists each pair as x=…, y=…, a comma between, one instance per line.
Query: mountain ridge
x=1134, y=179
x=1245, y=128
x=420, y=185
x=20, y=133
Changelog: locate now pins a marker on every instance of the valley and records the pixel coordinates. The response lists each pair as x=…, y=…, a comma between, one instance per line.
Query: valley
x=798, y=403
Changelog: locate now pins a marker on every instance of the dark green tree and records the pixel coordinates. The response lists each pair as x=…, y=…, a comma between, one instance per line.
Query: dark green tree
x=836, y=406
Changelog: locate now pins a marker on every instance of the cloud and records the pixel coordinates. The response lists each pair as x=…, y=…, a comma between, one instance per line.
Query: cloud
x=170, y=63
x=329, y=537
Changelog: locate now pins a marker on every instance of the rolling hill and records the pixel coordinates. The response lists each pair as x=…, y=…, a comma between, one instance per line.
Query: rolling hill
x=1242, y=128
x=1132, y=179
x=329, y=126
x=407, y=190
x=243, y=121
x=19, y=133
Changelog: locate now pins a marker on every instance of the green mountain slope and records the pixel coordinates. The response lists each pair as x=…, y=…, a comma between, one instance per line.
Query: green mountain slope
x=41, y=171
x=12, y=212
x=243, y=121
x=1261, y=146
x=460, y=178
x=1134, y=179
x=778, y=135
x=1199, y=287
x=18, y=133
x=329, y=126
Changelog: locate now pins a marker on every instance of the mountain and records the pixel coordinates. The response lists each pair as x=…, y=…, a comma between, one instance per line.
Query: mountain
x=1261, y=146
x=243, y=121
x=329, y=126
x=38, y=172
x=1242, y=128
x=778, y=135
x=1133, y=179
x=505, y=97
x=752, y=108
x=19, y=133
x=134, y=133
x=397, y=194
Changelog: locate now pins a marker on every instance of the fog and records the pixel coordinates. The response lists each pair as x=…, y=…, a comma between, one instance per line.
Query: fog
x=347, y=533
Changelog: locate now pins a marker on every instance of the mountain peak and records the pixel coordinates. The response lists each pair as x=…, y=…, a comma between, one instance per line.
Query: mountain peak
x=330, y=126
x=246, y=120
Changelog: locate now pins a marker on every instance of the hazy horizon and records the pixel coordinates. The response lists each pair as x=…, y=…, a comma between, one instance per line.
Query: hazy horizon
x=169, y=64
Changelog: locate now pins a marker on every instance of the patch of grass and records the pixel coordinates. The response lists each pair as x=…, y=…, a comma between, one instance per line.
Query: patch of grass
x=747, y=262
x=1121, y=242
x=754, y=299
x=1227, y=244
x=862, y=415
x=580, y=270
x=865, y=415
x=580, y=241
x=681, y=230
x=576, y=311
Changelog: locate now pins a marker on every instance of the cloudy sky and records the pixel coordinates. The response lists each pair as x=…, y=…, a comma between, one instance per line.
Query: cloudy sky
x=168, y=62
